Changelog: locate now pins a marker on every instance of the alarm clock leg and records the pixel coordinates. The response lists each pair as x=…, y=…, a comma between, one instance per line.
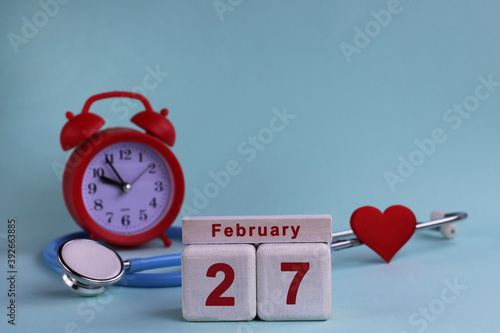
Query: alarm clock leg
x=166, y=240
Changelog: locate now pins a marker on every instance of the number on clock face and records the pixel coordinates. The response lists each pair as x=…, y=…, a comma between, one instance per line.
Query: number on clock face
x=126, y=188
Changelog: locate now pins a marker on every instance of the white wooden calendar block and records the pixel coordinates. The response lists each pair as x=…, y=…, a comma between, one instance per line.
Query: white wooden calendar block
x=219, y=282
x=256, y=229
x=294, y=281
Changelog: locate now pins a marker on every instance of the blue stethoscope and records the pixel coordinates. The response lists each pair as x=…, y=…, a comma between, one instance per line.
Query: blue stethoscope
x=89, y=266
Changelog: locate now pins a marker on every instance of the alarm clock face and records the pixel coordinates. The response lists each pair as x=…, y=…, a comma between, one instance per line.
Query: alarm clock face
x=127, y=188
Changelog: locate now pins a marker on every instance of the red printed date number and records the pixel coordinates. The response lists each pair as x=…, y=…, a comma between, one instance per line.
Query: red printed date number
x=216, y=299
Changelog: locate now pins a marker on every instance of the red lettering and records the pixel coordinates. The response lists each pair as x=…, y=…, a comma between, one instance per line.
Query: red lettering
x=215, y=228
x=275, y=231
x=284, y=230
x=240, y=228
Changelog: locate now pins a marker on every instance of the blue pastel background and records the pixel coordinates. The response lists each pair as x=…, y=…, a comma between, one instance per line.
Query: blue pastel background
x=362, y=97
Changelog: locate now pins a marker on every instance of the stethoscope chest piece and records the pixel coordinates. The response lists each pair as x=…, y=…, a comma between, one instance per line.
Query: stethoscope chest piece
x=89, y=266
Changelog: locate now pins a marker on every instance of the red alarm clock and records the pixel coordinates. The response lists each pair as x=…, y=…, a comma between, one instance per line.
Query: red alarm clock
x=123, y=186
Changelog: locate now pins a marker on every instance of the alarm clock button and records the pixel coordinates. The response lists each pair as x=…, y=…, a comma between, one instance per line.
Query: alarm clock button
x=79, y=128
x=156, y=124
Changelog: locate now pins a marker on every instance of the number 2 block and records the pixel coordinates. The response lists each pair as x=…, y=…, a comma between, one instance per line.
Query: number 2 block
x=294, y=281
x=219, y=282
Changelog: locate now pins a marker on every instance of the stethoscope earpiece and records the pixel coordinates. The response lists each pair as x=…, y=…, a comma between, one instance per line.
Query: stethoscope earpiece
x=448, y=231
x=88, y=266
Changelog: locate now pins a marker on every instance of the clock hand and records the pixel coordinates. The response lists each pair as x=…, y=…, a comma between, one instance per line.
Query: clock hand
x=140, y=175
x=122, y=183
x=128, y=187
x=110, y=181
x=125, y=186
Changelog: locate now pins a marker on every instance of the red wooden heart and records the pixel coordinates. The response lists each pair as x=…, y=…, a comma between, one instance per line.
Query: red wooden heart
x=384, y=233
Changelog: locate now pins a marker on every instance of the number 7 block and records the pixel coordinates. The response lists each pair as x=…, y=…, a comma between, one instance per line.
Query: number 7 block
x=294, y=281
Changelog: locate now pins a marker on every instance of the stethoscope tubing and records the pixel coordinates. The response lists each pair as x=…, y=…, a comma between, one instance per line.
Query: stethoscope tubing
x=131, y=278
